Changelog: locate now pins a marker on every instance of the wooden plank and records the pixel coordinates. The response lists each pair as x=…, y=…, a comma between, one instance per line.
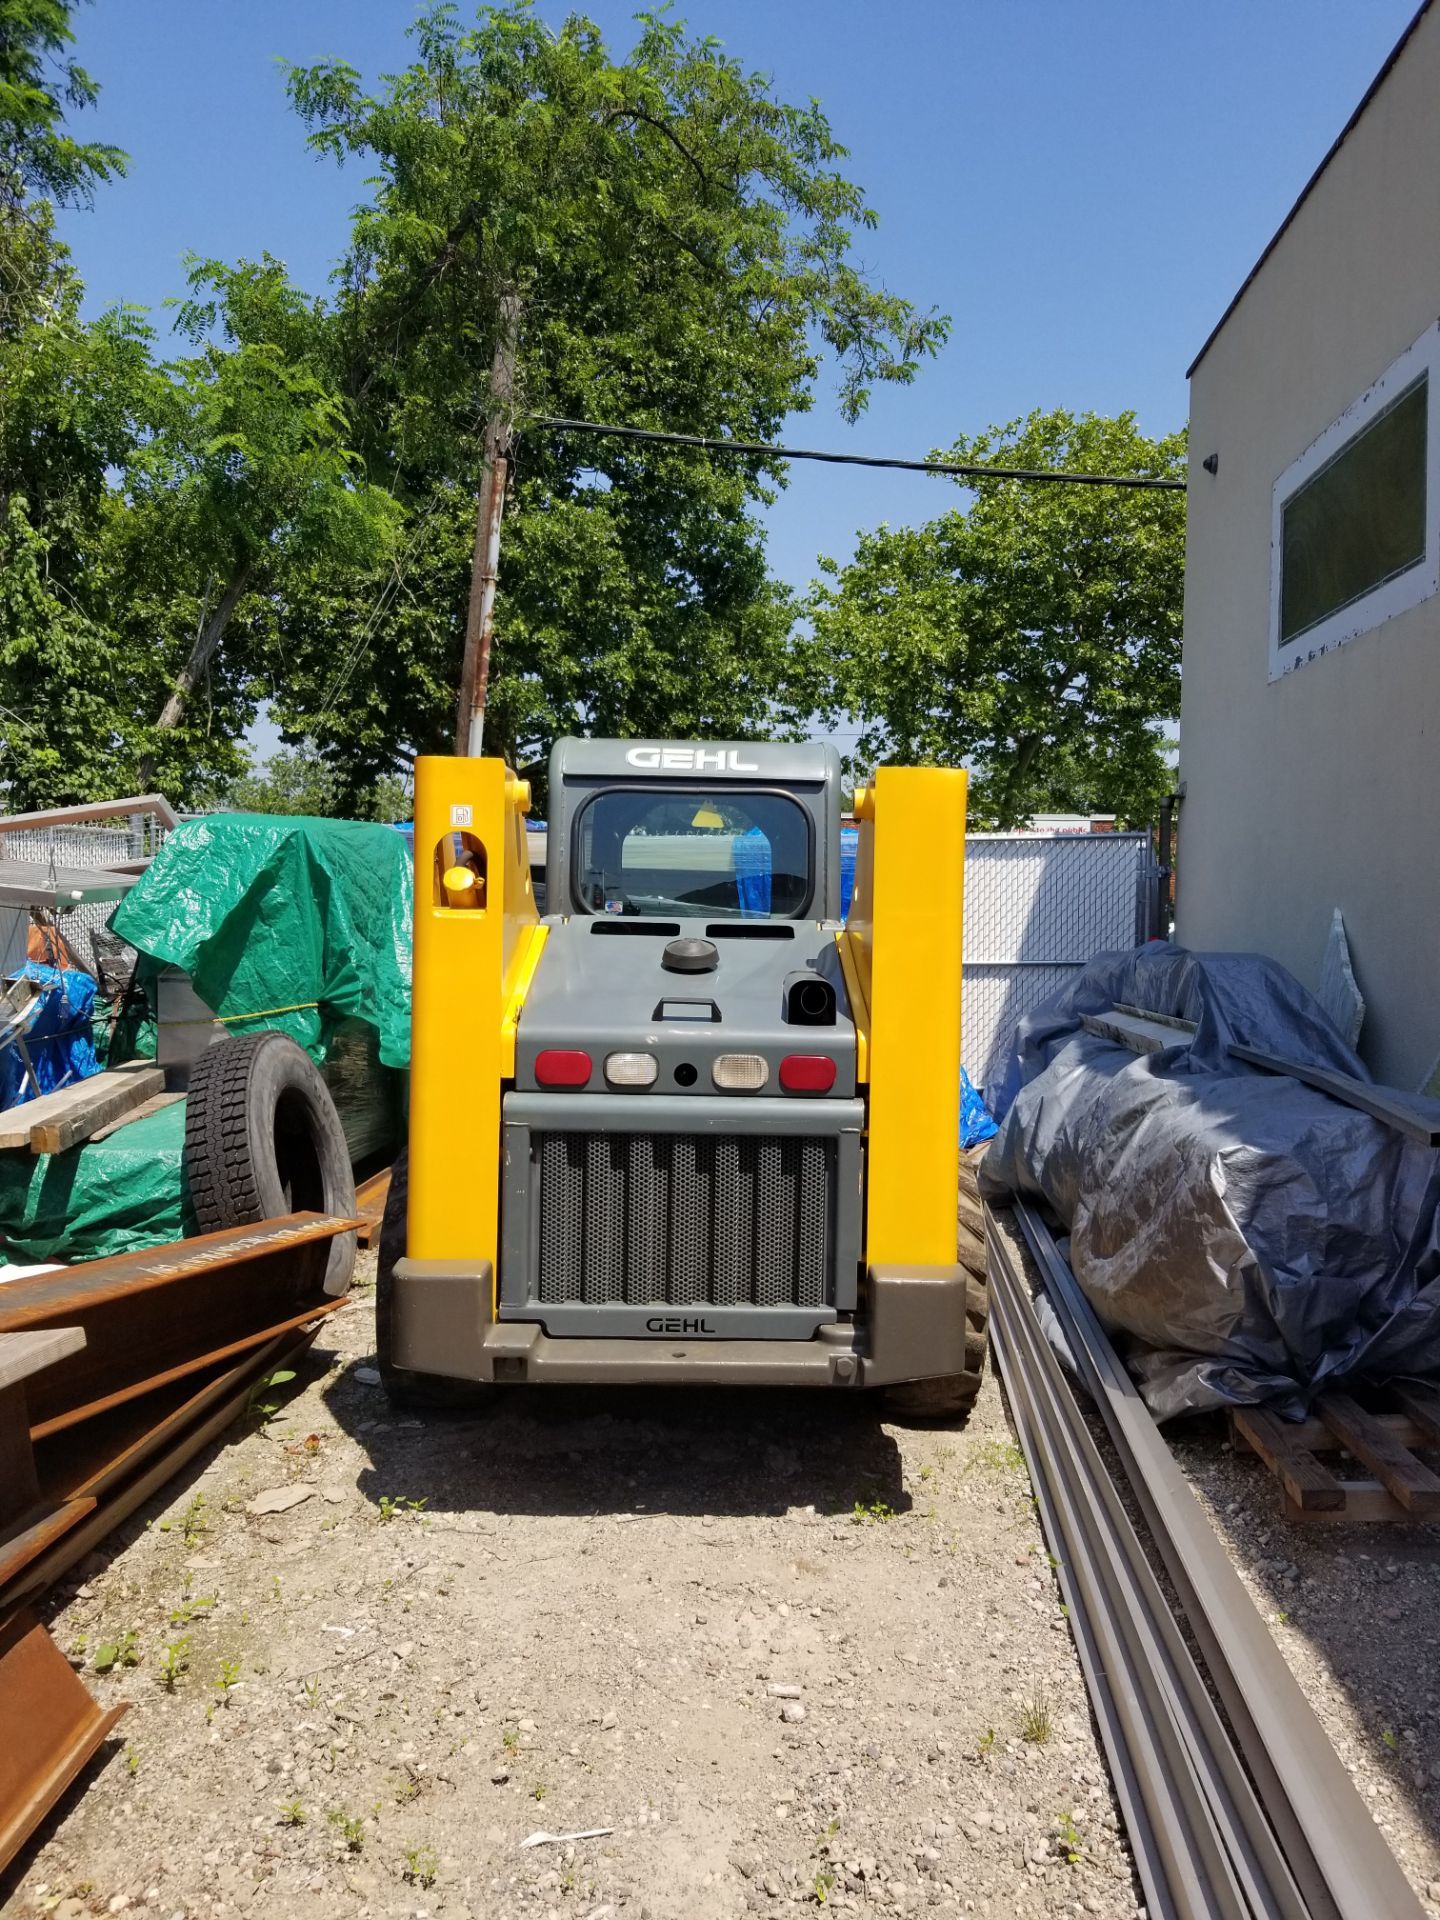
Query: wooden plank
x=138, y=1080
x=95, y=1102
x=155, y=803
x=1136, y=1031
x=1315, y=1435
x=1394, y=1466
x=1160, y=1019
x=1308, y=1485
x=1422, y=1405
x=1391, y=1109
x=143, y=1112
x=1366, y=1503
x=22, y=1354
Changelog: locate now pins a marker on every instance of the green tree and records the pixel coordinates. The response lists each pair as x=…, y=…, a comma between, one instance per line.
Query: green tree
x=248, y=475
x=680, y=246
x=42, y=166
x=1033, y=635
x=72, y=395
x=294, y=780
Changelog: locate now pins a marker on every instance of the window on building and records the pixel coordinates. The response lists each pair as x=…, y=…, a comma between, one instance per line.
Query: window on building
x=1355, y=517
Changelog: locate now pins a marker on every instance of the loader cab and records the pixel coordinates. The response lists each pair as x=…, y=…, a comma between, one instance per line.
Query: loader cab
x=725, y=830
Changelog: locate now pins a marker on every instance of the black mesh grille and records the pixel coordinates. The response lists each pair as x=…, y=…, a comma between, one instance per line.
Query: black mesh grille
x=685, y=1219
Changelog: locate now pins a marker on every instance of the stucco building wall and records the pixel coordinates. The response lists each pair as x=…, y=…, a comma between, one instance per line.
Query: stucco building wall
x=1320, y=790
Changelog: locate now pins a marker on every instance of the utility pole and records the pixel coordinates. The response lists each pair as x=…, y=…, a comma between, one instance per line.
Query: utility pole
x=485, y=567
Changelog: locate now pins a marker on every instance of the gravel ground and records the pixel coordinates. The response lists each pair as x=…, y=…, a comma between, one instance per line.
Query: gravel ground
x=1354, y=1611
x=785, y=1654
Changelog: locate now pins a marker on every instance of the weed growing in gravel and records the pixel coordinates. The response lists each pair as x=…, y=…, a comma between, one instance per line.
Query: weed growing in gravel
x=823, y=1885
x=182, y=1615
x=1001, y=1456
x=124, y=1652
x=1388, y=1736
x=391, y=1504
x=227, y=1677
x=925, y=1472
x=260, y=1409
x=986, y=1744
x=510, y=1739
x=311, y=1690
x=1035, y=1718
x=349, y=1826
x=194, y=1523
x=174, y=1660
x=421, y=1866
x=875, y=1510
x=539, y=1790
x=292, y=1813
x=406, y=1789
x=1072, y=1844
x=132, y=1761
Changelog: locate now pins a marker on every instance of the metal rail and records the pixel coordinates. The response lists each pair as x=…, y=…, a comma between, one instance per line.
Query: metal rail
x=1264, y=1821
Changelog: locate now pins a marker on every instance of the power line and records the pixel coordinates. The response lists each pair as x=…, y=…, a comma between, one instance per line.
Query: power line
x=953, y=468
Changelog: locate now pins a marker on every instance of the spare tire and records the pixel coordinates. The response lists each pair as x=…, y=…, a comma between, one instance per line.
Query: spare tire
x=262, y=1138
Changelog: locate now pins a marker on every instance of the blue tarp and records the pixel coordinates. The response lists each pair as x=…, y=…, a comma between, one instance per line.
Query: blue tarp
x=59, y=1043
x=752, y=872
x=976, y=1122
x=849, y=848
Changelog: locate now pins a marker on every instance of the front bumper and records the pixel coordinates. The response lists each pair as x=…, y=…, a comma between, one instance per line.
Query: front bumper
x=912, y=1328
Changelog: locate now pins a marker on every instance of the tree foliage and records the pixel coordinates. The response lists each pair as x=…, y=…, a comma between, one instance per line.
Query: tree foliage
x=1033, y=635
x=680, y=245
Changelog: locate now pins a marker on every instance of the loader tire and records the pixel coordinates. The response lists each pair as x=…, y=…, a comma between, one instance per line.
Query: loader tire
x=262, y=1138
x=948, y=1398
x=407, y=1389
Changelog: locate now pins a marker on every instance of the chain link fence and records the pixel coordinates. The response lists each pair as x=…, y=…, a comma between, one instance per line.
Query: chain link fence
x=104, y=844
x=1037, y=908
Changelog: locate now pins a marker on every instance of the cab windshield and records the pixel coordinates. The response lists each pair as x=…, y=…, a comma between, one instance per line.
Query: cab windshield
x=695, y=850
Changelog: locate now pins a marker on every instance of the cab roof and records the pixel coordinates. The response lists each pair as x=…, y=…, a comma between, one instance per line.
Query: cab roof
x=773, y=762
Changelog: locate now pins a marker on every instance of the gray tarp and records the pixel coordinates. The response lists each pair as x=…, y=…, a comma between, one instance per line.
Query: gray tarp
x=1252, y=1237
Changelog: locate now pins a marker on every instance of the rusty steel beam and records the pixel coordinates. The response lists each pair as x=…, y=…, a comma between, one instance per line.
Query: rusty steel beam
x=153, y=1317
x=50, y=1729
x=122, y=1470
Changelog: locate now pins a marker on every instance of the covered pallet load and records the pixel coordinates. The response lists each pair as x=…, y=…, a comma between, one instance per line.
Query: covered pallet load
x=274, y=961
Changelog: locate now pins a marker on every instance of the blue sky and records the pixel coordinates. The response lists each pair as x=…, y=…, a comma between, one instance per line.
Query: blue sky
x=1081, y=186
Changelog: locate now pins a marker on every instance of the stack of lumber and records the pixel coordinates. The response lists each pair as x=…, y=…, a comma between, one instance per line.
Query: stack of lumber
x=78, y=1112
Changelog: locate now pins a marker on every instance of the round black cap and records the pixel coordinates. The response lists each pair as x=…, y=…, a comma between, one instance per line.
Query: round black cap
x=690, y=956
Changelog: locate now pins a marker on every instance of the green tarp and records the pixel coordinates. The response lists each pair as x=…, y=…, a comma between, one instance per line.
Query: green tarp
x=297, y=924
x=108, y=1196
x=284, y=922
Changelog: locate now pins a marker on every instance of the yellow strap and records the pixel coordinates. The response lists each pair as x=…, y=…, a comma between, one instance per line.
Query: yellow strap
x=265, y=1013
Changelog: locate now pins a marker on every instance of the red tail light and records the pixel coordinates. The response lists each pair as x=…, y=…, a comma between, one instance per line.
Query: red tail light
x=563, y=1067
x=807, y=1073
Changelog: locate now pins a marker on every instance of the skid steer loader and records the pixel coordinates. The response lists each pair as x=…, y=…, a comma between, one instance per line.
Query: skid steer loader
x=690, y=1125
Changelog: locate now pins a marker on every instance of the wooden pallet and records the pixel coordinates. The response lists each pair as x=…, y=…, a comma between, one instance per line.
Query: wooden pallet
x=1383, y=1440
